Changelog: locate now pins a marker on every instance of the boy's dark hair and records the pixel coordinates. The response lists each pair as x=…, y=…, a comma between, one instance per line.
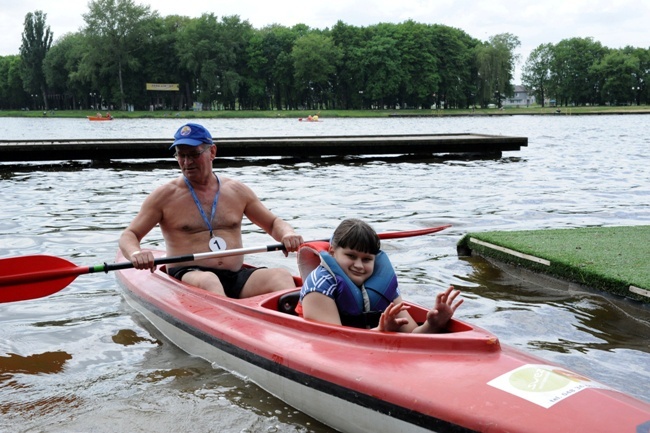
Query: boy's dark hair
x=357, y=235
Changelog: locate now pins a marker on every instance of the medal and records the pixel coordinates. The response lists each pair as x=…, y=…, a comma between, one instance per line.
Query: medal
x=217, y=243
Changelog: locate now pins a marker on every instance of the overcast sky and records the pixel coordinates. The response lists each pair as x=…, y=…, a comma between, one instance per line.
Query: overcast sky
x=613, y=23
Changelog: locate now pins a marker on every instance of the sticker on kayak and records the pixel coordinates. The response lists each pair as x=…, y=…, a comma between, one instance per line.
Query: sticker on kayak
x=542, y=384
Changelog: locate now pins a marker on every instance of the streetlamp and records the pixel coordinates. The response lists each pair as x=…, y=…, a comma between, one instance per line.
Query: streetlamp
x=93, y=95
x=635, y=90
x=34, y=98
x=361, y=97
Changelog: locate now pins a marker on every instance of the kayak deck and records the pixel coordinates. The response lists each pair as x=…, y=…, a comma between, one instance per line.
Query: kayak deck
x=356, y=380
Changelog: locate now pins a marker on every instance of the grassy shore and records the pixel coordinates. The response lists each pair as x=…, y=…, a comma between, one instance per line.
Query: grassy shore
x=325, y=114
x=611, y=259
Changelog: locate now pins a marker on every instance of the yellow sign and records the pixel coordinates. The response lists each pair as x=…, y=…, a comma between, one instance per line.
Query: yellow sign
x=169, y=87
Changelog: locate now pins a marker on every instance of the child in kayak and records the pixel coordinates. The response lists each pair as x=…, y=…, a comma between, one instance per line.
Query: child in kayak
x=355, y=285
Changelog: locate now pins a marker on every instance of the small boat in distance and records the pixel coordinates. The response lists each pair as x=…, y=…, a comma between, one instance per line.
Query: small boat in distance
x=313, y=118
x=99, y=117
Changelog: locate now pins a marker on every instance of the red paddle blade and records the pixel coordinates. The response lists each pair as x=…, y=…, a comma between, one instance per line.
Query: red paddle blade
x=31, y=277
x=410, y=233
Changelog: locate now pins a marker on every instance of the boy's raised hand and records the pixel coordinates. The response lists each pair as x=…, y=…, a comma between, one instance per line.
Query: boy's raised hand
x=444, y=309
x=389, y=321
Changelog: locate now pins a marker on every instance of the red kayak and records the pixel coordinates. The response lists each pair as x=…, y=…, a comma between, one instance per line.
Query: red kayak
x=357, y=380
x=98, y=118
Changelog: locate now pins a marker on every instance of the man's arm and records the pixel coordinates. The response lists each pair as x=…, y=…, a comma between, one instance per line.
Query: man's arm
x=129, y=242
x=275, y=226
x=283, y=232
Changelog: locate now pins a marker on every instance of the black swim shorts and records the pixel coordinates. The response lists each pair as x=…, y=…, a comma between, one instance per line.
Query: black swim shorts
x=232, y=281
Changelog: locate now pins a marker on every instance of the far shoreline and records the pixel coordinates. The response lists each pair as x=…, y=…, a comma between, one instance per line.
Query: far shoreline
x=330, y=114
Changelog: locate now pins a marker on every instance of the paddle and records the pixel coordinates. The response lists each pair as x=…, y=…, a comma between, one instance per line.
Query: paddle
x=19, y=281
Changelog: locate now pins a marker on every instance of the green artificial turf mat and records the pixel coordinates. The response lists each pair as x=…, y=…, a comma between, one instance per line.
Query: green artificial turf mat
x=605, y=258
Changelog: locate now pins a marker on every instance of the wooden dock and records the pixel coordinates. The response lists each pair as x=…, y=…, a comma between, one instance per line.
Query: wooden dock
x=421, y=145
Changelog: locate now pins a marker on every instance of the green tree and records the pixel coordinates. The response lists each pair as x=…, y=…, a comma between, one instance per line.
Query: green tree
x=228, y=64
x=315, y=57
x=420, y=65
x=259, y=81
x=573, y=78
x=12, y=93
x=198, y=51
x=36, y=41
x=641, y=77
x=212, y=51
x=536, y=73
x=456, y=72
x=350, y=76
x=67, y=84
x=160, y=64
x=381, y=61
x=618, y=70
x=236, y=36
x=496, y=64
x=5, y=64
x=275, y=65
x=4, y=82
x=116, y=31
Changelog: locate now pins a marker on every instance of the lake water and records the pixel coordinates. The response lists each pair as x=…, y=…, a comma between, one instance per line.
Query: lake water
x=81, y=360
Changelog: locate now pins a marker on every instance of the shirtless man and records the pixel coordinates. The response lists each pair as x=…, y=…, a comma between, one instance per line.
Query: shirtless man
x=200, y=211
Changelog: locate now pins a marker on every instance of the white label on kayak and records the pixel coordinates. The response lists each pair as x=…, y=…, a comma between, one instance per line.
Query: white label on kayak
x=542, y=384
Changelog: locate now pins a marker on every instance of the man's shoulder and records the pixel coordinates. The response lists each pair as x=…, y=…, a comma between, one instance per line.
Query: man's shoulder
x=235, y=186
x=168, y=189
x=177, y=182
x=229, y=181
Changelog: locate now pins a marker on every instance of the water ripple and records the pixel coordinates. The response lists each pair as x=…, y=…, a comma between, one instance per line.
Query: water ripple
x=576, y=171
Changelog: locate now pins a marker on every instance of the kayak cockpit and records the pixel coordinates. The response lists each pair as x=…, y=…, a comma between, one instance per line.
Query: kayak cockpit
x=285, y=302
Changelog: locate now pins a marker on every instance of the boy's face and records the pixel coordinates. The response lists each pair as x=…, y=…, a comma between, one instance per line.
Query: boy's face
x=356, y=265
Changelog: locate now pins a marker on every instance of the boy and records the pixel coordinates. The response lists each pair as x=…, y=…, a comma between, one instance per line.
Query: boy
x=355, y=285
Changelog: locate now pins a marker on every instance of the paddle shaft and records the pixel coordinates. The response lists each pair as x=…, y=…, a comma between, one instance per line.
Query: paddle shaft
x=19, y=281
x=198, y=256
x=252, y=250
x=60, y=268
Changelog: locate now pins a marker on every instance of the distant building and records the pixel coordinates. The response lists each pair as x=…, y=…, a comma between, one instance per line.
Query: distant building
x=521, y=98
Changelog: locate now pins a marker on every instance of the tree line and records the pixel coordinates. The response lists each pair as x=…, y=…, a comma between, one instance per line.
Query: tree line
x=580, y=71
x=227, y=64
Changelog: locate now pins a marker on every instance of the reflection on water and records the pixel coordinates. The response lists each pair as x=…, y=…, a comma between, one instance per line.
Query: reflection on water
x=14, y=390
x=122, y=376
x=41, y=363
x=128, y=337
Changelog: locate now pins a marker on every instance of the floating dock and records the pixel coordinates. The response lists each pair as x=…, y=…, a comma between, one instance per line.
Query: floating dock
x=477, y=145
x=609, y=259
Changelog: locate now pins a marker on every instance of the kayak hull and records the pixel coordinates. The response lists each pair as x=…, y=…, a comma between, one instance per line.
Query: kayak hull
x=299, y=392
x=357, y=380
x=98, y=119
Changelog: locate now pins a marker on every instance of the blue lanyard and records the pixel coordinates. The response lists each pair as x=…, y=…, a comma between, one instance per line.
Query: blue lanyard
x=208, y=222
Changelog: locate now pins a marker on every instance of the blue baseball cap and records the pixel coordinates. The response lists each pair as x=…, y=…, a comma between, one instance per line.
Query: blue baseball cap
x=192, y=134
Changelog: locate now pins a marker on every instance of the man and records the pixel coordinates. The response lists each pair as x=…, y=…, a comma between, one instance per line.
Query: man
x=200, y=211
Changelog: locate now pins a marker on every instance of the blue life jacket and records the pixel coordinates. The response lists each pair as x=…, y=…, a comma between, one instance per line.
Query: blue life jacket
x=380, y=290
